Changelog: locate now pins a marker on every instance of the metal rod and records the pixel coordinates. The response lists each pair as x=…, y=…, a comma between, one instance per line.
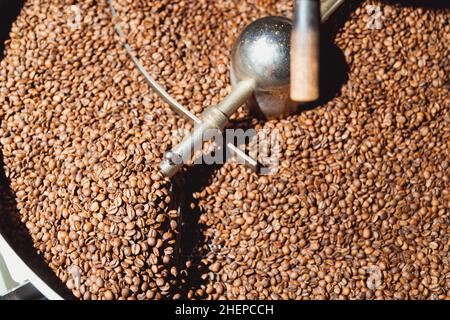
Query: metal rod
x=327, y=7
x=305, y=51
x=241, y=92
x=214, y=118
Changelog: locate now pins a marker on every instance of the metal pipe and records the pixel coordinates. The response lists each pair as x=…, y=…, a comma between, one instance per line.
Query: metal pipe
x=305, y=51
x=214, y=118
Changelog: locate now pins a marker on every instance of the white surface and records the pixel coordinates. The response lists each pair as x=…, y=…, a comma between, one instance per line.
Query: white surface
x=7, y=281
x=21, y=273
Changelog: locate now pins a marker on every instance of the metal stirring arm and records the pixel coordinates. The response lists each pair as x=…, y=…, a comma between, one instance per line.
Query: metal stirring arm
x=256, y=75
x=214, y=116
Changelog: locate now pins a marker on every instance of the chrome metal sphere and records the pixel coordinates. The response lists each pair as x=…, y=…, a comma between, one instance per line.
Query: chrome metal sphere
x=262, y=53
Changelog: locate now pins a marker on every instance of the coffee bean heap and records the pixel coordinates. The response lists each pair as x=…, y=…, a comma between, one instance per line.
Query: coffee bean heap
x=358, y=209
x=360, y=206
x=80, y=142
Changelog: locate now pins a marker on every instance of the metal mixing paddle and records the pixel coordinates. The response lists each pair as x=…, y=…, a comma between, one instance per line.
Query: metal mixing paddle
x=260, y=68
x=261, y=74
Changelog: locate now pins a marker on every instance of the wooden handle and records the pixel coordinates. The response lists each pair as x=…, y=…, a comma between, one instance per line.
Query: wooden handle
x=305, y=51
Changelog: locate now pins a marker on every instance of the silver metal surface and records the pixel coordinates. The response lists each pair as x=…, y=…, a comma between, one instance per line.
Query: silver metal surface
x=24, y=292
x=262, y=53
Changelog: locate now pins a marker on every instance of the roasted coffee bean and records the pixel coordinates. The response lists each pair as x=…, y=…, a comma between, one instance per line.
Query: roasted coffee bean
x=357, y=210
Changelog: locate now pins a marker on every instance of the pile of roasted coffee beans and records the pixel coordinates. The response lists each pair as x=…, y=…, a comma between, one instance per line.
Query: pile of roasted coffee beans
x=359, y=207
x=81, y=140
